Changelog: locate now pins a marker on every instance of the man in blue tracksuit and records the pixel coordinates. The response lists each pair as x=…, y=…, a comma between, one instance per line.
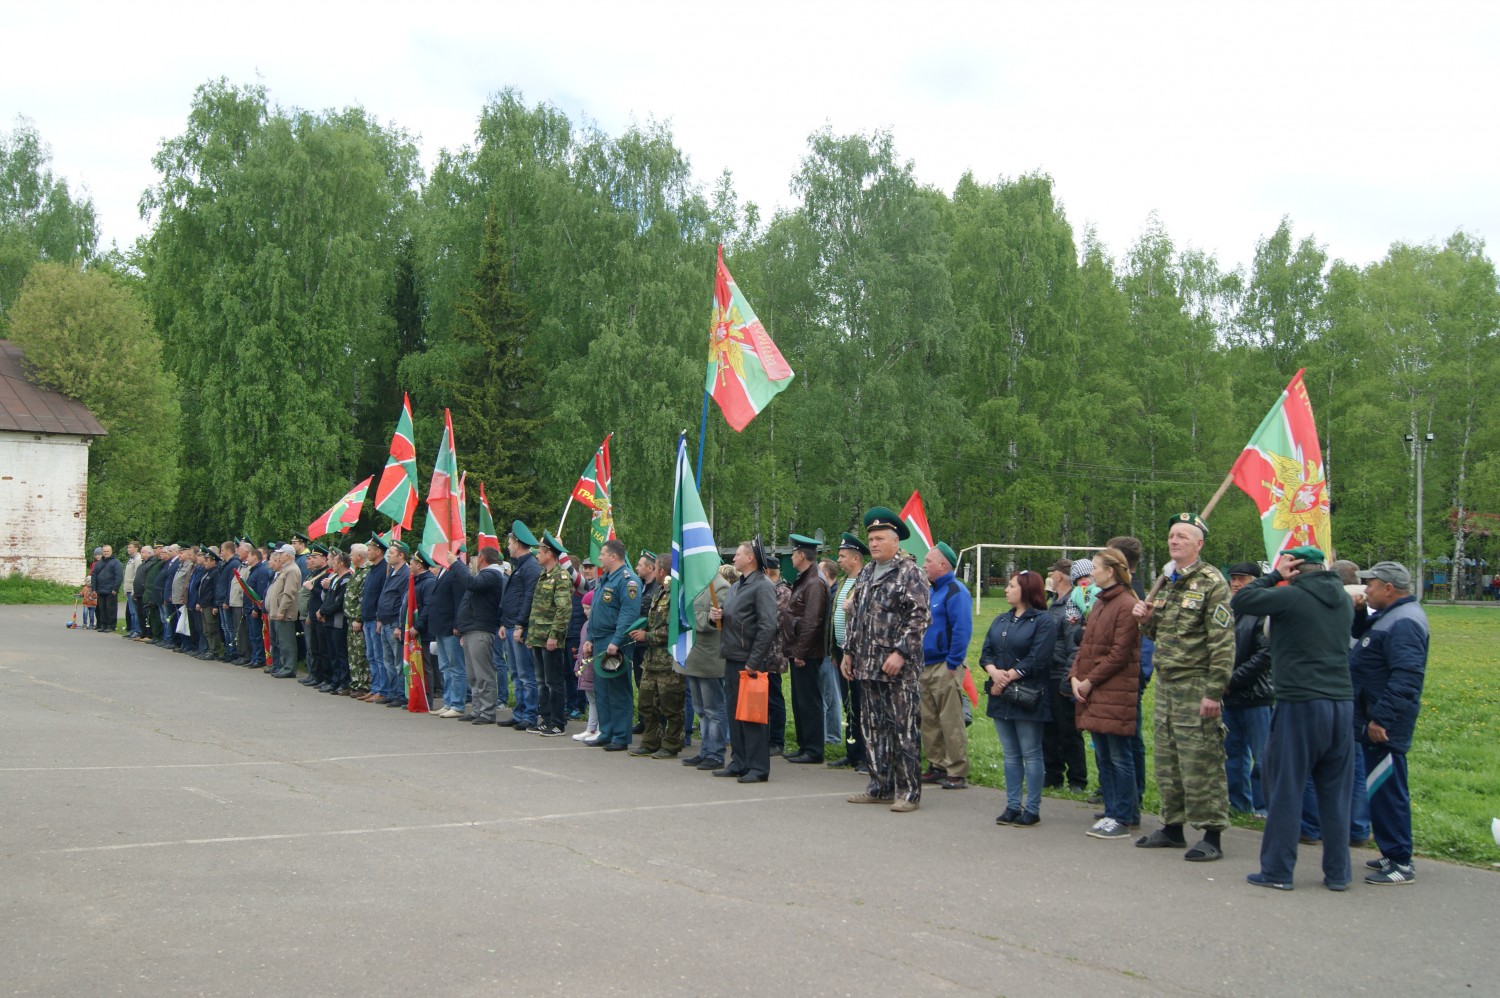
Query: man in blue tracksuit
x=1388, y=664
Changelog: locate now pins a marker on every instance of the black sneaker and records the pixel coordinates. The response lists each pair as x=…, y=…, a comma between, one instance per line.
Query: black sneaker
x=1028, y=819
x=1008, y=817
x=551, y=731
x=1398, y=873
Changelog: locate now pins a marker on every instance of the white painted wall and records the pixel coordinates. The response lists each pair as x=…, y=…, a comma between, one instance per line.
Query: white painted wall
x=43, y=505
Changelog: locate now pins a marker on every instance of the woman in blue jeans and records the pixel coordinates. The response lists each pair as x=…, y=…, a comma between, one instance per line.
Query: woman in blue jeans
x=1017, y=652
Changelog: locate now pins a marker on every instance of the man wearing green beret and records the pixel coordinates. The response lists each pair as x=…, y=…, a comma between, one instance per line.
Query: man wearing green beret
x=547, y=636
x=515, y=613
x=1312, y=727
x=888, y=616
x=1192, y=626
x=662, y=689
x=309, y=604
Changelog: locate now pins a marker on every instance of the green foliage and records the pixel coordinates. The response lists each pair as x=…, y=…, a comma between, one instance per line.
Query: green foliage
x=86, y=335
x=40, y=219
x=18, y=588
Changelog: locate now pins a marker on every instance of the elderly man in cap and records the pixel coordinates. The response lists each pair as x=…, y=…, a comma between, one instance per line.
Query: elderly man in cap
x=945, y=648
x=547, y=636
x=1190, y=622
x=662, y=688
x=888, y=617
x=515, y=614
x=281, y=605
x=372, y=588
x=1247, y=701
x=1388, y=665
x=309, y=604
x=1312, y=730
x=804, y=635
x=391, y=612
x=851, y=558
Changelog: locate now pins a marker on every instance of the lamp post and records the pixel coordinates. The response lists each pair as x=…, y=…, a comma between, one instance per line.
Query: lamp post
x=1418, y=446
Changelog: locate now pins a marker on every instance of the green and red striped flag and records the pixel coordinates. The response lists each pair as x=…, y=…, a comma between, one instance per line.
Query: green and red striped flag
x=745, y=370
x=444, y=530
x=915, y=518
x=396, y=495
x=1281, y=469
x=601, y=529
x=487, y=536
x=343, y=514
x=593, y=490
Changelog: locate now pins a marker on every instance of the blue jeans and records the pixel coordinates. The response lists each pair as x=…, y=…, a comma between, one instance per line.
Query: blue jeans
x=523, y=671
x=616, y=708
x=1021, y=741
x=1115, y=755
x=450, y=653
x=375, y=653
x=1246, y=730
x=708, y=695
x=132, y=618
x=833, y=702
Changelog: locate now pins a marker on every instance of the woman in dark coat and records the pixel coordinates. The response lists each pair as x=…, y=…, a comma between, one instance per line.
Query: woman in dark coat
x=749, y=616
x=1018, y=651
x=1105, y=679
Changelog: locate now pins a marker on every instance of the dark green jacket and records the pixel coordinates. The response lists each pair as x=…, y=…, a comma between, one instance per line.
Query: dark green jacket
x=1310, y=621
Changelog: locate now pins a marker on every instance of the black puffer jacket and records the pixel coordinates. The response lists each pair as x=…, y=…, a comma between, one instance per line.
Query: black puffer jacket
x=1250, y=683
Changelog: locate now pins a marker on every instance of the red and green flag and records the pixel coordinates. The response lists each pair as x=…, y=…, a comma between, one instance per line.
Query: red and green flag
x=416, y=677
x=343, y=514
x=915, y=518
x=745, y=370
x=1281, y=469
x=487, y=536
x=444, y=530
x=396, y=495
x=593, y=490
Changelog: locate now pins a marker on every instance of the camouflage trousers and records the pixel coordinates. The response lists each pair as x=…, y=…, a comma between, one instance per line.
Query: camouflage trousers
x=359, y=665
x=662, y=700
x=890, y=715
x=1189, y=758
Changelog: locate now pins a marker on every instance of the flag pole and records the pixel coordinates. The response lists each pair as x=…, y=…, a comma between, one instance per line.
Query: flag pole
x=1223, y=488
x=702, y=432
x=566, y=506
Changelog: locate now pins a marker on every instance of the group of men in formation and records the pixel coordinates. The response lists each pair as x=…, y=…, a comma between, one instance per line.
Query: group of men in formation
x=1309, y=679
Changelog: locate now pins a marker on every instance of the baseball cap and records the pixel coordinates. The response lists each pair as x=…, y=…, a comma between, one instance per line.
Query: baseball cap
x=1389, y=571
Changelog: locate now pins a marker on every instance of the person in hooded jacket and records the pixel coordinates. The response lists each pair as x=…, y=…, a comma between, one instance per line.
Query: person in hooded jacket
x=1312, y=726
x=1247, y=702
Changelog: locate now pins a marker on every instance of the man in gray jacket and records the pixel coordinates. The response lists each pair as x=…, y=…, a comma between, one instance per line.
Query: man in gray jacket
x=705, y=673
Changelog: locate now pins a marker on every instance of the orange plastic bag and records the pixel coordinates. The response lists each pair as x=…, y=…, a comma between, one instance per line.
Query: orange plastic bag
x=753, y=705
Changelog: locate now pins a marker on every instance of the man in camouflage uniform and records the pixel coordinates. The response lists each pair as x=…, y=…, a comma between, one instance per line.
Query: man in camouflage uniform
x=359, y=665
x=547, y=636
x=662, y=698
x=1193, y=628
x=887, y=616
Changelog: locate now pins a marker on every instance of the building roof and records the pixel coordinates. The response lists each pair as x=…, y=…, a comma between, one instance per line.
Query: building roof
x=29, y=408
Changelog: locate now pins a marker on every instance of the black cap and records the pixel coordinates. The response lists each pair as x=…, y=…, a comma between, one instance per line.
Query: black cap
x=1249, y=568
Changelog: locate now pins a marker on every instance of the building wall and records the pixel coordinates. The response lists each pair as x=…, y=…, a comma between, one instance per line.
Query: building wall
x=43, y=505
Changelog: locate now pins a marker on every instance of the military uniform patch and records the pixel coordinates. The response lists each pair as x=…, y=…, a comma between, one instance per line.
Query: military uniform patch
x=631, y=589
x=609, y=595
x=1222, y=616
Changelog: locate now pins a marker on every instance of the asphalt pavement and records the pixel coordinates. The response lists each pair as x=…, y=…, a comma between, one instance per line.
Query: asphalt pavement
x=170, y=826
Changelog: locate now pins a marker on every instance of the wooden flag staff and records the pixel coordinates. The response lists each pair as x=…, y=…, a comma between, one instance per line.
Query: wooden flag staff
x=1161, y=579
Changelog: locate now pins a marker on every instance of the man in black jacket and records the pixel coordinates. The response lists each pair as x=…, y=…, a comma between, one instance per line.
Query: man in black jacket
x=447, y=597
x=107, y=576
x=478, y=622
x=1247, y=702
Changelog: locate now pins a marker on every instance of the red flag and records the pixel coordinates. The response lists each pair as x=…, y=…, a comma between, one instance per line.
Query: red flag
x=343, y=514
x=487, y=536
x=396, y=495
x=915, y=517
x=416, y=677
x=593, y=485
x=745, y=369
x=1281, y=469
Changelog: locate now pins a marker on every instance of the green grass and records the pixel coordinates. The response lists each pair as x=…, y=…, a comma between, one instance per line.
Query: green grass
x=1454, y=762
x=21, y=589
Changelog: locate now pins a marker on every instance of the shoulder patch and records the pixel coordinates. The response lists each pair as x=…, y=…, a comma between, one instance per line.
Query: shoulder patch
x=631, y=589
x=1222, y=617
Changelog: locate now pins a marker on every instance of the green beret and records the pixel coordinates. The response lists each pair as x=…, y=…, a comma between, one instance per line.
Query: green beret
x=271, y=545
x=401, y=546
x=377, y=541
x=881, y=518
x=948, y=553
x=523, y=533
x=320, y=548
x=1307, y=553
x=553, y=543
x=648, y=554
x=639, y=625
x=848, y=542
x=807, y=543
x=1192, y=520
x=422, y=557
x=300, y=537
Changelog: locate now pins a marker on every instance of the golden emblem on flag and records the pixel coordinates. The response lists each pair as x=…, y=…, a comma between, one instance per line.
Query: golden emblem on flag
x=1299, y=495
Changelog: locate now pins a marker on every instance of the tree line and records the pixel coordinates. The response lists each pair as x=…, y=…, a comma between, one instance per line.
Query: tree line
x=550, y=283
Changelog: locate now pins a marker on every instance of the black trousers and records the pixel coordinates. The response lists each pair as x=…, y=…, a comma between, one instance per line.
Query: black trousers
x=336, y=639
x=854, y=734
x=551, y=686
x=749, y=744
x=317, y=663
x=776, y=729
x=807, y=707
x=1063, y=757
x=150, y=622
x=107, y=613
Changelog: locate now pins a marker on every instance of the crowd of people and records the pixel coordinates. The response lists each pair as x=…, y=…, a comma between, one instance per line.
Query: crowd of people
x=1290, y=693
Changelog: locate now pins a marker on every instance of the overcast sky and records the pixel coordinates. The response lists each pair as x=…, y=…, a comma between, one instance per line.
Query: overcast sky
x=1365, y=122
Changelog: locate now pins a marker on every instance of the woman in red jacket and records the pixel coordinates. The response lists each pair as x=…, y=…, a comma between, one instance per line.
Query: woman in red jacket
x=1105, y=677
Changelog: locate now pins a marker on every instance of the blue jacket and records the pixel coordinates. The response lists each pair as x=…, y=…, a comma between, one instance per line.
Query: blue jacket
x=108, y=574
x=259, y=582
x=479, y=610
x=1388, y=664
x=947, y=637
x=617, y=605
x=392, y=595
x=162, y=590
x=226, y=581
x=426, y=585
x=515, y=605
x=195, y=586
x=447, y=595
x=369, y=600
x=1022, y=642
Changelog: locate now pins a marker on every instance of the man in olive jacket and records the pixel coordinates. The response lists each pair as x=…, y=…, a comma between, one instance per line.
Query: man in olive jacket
x=888, y=615
x=1312, y=728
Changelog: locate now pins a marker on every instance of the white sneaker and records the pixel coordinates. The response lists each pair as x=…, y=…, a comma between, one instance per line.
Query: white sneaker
x=450, y=712
x=583, y=736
